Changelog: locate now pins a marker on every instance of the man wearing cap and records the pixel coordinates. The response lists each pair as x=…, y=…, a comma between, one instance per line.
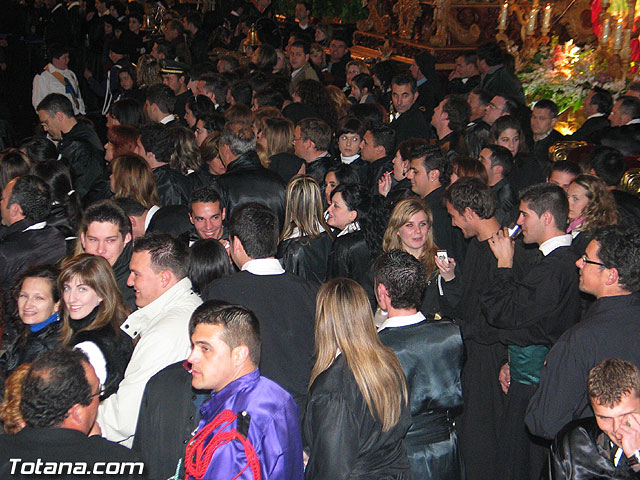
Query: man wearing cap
x=106, y=87
x=175, y=76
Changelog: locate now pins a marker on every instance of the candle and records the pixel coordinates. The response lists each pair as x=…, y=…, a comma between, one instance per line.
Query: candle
x=546, y=20
x=504, y=11
x=606, y=30
x=531, y=26
x=617, y=42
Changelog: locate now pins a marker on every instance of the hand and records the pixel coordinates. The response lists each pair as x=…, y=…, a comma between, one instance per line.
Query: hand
x=384, y=184
x=87, y=73
x=502, y=247
x=447, y=269
x=504, y=378
x=628, y=433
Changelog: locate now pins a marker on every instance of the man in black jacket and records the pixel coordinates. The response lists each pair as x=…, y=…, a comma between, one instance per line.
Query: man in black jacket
x=377, y=148
x=410, y=121
x=543, y=118
x=77, y=142
x=494, y=75
x=28, y=240
x=311, y=141
x=597, y=107
x=246, y=180
x=498, y=162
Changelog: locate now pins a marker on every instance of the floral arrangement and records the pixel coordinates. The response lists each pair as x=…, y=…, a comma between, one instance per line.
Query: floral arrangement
x=566, y=73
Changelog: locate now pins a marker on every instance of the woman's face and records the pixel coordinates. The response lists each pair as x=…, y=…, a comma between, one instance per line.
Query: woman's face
x=356, y=92
x=578, y=200
x=317, y=57
x=111, y=120
x=189, y=117
x=280, y=62
x=320, y=35
x=339, y=214
x=201, y=132
x=216, y=167
x=126, y=82
x=413, y=234
x=400, y=167
x=509, y=139
x=349, y=144
x=79, y=298
x=352, y=71
x=109, y=149
x=35, y=301
x=330, y=182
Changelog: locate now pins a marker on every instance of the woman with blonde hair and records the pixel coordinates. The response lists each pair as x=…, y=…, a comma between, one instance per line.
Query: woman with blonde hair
x=340, y=100
x=306, y=238
x=10, y=413
x=148, y=71
x=276, y=140
x=410, y=229
x=591, y=206
x=131, y=177
x=357, y=412
x=92, y=311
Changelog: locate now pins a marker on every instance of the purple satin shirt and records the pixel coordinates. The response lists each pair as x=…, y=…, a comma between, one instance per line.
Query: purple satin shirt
x=274, y=430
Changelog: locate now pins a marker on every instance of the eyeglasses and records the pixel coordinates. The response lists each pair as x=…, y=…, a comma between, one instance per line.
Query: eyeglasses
x=585, y=260
x=99, y=393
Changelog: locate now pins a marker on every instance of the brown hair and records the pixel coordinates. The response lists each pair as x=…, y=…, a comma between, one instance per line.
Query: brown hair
x=133, y=178
x=601, y=209
x=10, y=413
x=612, y=379
x=304, y=209
x=124, y=139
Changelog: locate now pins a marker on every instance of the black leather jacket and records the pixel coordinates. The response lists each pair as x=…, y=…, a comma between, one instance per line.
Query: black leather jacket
x=173, y=187
x=23, y=351
x=306, y=257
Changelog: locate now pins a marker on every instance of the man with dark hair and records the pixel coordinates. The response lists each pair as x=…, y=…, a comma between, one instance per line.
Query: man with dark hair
x=470, y=204
x=175, y=75
x=60, y=397
x=499, y=106
x=609, y=270
x=58, y=78
x=284, y=303
x=378, y=147
x=160, y=104
x=198, y=39
x=105, y=231
x=430, y=92
x=626, y=111
x=337, y=59
x=174, y=33
x=420, y=344
x=226, y=63
x=596, y=107
x=562, y=173
x=215, y=87
x=531, y=311
x=77, y=142
x=450, y=118
x=240, y=92
x=139, y=216
x=165, y=301
x=206, y=213
x=498, y=162
x=303, y=19
x=543, y=118
x=609, y=443
x=465, y=75
x=27, y=240
x=242, y=401
x=298, y=54
x=495, y=77
x=478, y=100
x=624, y=134
x=246, y=180
x=311, y=142
x=430, y=175
x=162, y=50
x=155, y=147
x=608, y=164
x=409, y=121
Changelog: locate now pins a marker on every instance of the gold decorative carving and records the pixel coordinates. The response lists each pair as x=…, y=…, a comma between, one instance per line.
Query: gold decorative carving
x=465, y=36
x=631, y=181
x=407, y=12
x=560, y=151
x=375, y=21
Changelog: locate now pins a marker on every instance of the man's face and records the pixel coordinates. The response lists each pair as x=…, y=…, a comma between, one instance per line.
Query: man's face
x=485, y=159
x=297, y=57
x=212, y=366
x=4, y=203
x=477, y=108
x=592, y=276
x=415, y=70
x=542, y=121
x=155, y=52
x=531, y=223
x=610, y=419
x=50, y=124
x=617, y=117
x=464, y=69
x=299, y=143
x=337, y=49
x=419, y=177
x=368, y=150
x=459, y=220
x=562, y=179
x=440, y=118
x=147, y=284
x=207, y=219
x=62, y=62
x=147, y=110
x=92, y=408
x=302, y=14
x=105, y=240
x=494, y=110
x=171, y=80
x=402, y=97
x=134, y=24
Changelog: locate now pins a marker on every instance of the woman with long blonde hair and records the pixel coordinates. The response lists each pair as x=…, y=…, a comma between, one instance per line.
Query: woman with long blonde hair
x=131, y=177
x=92, y=311
x=306, y=238
x=357, y=411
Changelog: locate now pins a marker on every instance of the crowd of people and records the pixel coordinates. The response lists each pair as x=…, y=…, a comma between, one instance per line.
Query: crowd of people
x=228, y=260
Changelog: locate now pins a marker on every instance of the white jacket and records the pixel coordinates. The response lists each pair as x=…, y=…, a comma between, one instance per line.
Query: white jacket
x=163, y=326
x=45, y=83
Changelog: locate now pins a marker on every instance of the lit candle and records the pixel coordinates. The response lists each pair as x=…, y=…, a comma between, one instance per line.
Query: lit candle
x=531, y=26
x=546, y=20
x=617, y=42
x=606, y=30
x=504, y=11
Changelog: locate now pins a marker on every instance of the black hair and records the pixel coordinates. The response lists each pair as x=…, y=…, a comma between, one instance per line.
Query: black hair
x=128, y=112
x=32, y=194
x=208, y=261
x=350, y=125
x=630, y=106
x=568, y=166
x=344, y=173
x=55, y=382
x=130, y=206
x=608, y=163
x=490, y=53
x=476, y=137
x=458, y=110
x=56, y=50
x=383, y=135
x=364, y=80
x=511, y=106
x=547, y=197
x=405, y=79
x=163, y=97
x=58, y=177
x=54, y=103
x=602, y=99
x=484, y=96
x=269, y=97
x=205, y=194
x=368, y=113
x=548, y=105
x=241, y=92
x=216, y=83
x=212, y=122
x=303, y=44
x=194, y=18
x=39, y=148
x=434, y=159
x=167, y=253
x=619, y=248
x=501, y=156
x=13, y=164
x=473, y=193
x=315, y=94
x=156, y=139
x=257, y=228
x=403, y=276
x=201, y=105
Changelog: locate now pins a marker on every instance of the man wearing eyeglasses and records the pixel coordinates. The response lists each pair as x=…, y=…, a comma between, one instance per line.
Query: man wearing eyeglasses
x=609, y=270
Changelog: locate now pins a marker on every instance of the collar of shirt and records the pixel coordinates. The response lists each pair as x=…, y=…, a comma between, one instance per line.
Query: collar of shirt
x=143, y=319
x=350, y=159
x=596, y=115
x=36, y=226
x=550, y=245
x=633, y=122
x=296, y=71
x=167, y=119
x=152, y=211
x=263, y=266
x=421, y=81
x=209, y=409
x=542, y=137
x=402, y=321
x=352, y=227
